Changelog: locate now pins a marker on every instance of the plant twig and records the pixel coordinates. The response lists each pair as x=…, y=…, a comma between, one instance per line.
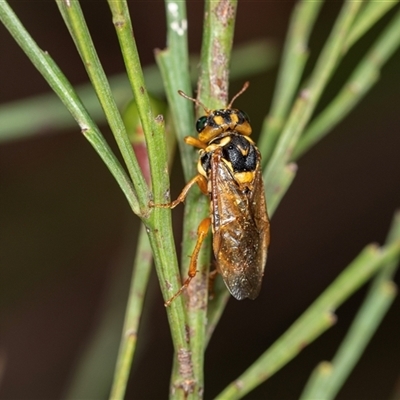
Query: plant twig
x=159, y=222
x=317, y=318
x=360, y=82
x=75, y=21
x=217, y=42
x=58, y=82
x=212, y=91
x=174, y=66
x=309, y=96
x=368, y=16
x=294, y=57
x=329, y=377
x=140, y=277
x=212, y=88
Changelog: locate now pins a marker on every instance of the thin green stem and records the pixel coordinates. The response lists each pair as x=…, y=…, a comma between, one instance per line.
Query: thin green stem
x=219, y=24
x=287, y=176
x=143, y=259
x=140, y=277
x=159, y=222
x=174, y=66
x=74, y=19
x=314, y=320
x=212, y=91
x=368, y=16
x=388, y=272
x=360, y=82
x=173, y=63
x=294, y=57
x=159, y=229
x=216, y=306
x=309, y=96
x=328, y=378
x=58, y=82
x=124, y=30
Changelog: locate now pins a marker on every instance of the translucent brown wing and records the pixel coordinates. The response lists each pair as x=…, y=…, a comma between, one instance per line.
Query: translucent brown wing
x=240, y=227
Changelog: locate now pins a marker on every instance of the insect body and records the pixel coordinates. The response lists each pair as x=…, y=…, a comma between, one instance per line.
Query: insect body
x=229, y=172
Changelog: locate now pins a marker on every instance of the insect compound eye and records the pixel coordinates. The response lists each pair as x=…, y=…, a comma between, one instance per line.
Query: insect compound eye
x=201, y=123
x=244, y=115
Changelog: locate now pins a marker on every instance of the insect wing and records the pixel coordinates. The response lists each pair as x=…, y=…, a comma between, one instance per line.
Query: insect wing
x=240, y=228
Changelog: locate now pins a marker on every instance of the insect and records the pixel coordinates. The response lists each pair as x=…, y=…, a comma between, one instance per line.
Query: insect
x=229, y=172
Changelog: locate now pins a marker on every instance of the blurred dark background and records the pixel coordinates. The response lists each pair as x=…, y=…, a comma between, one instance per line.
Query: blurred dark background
x=68, y=236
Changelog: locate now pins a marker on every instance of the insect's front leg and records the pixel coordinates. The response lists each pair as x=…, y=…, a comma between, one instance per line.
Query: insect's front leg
x=192, y=141
x=202, y=232
x=211, y=280
x=200, y=180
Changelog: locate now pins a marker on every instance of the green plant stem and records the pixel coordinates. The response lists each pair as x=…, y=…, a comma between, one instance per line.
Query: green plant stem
x=159, y=223
x=294, y=57
x=368, y=16
x=174, y=66
x=159, y=229
x=362, y=79
x=124, y=30
x=212, y=91
x=140, y=277
x=156, y=144
x=216, y=37
x=309, y=96
x=311, y=323
x=143, y=259
x=329, y=377
x=388, y=272
x=173, y=62
x=57, y=81
x=216, y=306
x=91, y=375
x=287, y=176
x=161, y=237
x=74, y=19
x=212, y=88
x=213, y=83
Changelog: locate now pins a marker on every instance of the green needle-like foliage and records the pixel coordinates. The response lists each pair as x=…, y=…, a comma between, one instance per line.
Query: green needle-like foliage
x=289, y=130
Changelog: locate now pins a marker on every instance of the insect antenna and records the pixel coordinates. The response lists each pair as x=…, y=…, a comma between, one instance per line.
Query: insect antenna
x=243, y=89
x=197, y=102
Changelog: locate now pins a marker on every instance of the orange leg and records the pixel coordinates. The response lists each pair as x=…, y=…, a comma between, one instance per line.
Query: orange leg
x=201, y=182
x=211, y=279
x=190, y=140
x=202, y=231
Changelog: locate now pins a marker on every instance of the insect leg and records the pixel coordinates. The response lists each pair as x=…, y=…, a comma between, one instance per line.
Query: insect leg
x=190, y=140
x=211, y=280
x=202, y=231
x=201, y=182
